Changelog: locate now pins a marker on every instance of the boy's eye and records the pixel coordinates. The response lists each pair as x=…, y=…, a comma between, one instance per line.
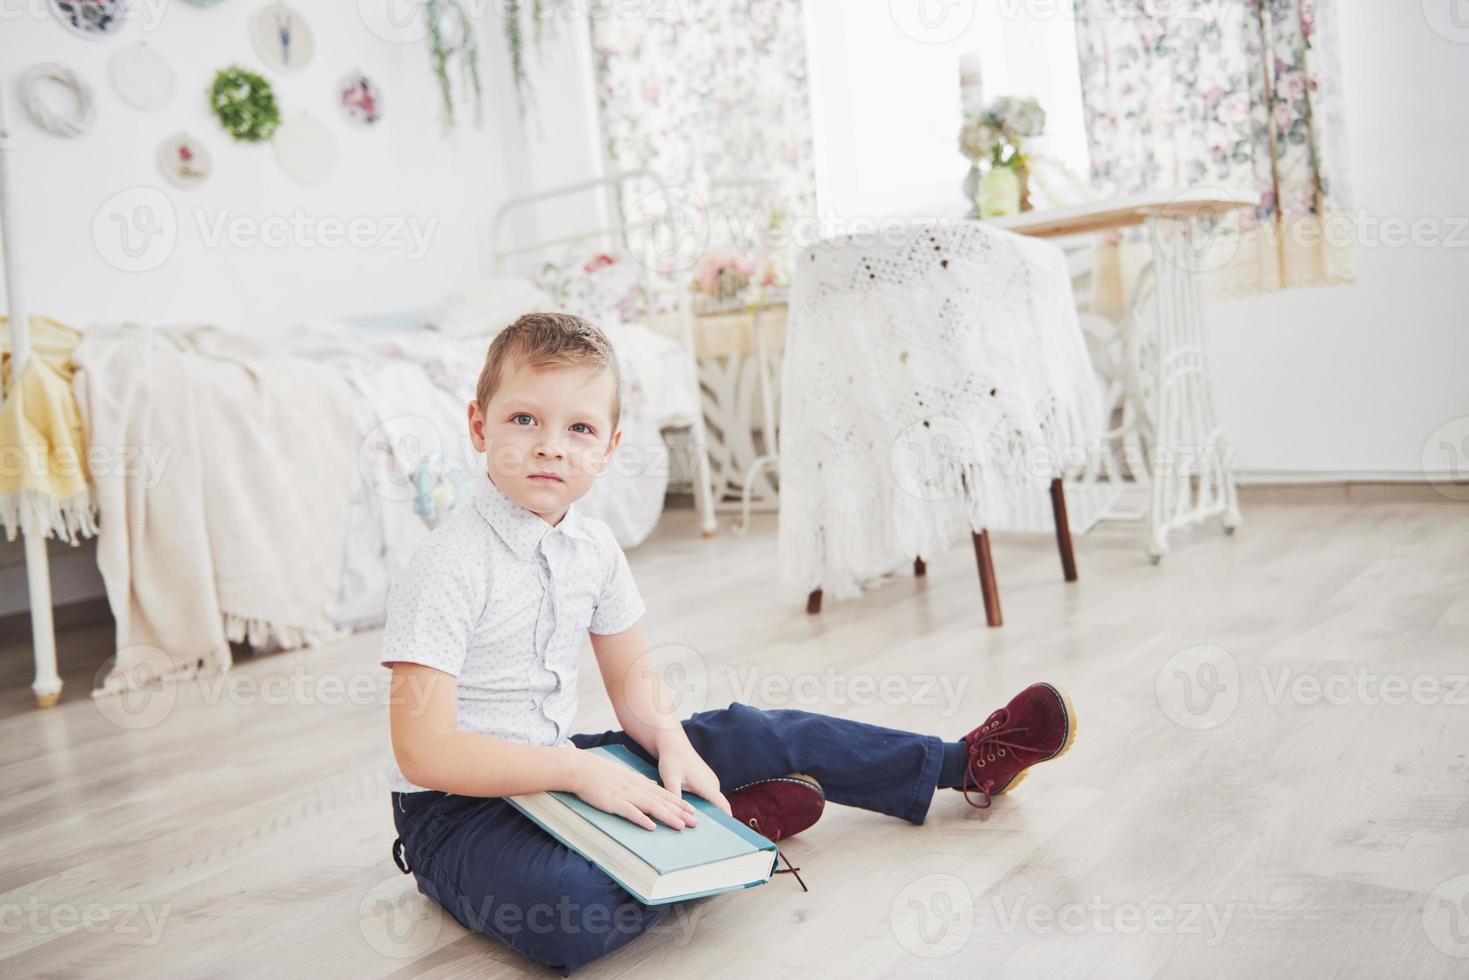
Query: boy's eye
x=516, y=419
x=583, y=427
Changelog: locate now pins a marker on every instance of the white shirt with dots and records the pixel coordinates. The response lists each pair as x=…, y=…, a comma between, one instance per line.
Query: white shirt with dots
x=501, y=599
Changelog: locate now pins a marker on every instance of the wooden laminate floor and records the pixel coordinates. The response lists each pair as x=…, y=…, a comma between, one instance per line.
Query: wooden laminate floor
x=1271, y=777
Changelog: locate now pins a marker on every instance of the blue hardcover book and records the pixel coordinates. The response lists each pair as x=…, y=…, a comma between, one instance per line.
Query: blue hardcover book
x=661, y=865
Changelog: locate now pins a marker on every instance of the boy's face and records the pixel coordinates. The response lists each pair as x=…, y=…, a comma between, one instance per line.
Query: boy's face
x=547, y=434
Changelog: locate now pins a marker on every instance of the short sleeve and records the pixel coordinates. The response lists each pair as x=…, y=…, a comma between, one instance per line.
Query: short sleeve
x=619, y=607
x=431, y=610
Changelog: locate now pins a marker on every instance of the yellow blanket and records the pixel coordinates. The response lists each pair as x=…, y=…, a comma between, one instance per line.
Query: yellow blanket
x=43, y=448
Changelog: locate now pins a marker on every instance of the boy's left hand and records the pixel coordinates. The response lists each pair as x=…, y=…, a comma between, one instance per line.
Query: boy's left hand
x=681, y=769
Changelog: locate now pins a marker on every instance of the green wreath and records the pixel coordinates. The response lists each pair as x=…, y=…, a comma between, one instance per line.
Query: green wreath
x=245, y=104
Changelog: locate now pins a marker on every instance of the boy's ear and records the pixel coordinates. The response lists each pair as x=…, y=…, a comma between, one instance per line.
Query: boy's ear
x=476, y=427
x=606, y=454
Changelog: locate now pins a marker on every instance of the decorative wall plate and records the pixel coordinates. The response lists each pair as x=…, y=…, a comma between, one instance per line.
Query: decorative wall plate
x=92, y=18
x=244, y=103
x=360, y=99
x=41, y=109
x=184, y=160
x=282, y=37
x=143, y=78
x=305, y=149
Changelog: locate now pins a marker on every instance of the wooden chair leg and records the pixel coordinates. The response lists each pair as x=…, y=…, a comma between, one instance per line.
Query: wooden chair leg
x=987, y=585
x=919, y=568
x=1063, y=530
x=813, y=602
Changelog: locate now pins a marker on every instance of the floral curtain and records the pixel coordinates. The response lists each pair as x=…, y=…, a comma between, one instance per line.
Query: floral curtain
x=712, y=95
x=1235, y=95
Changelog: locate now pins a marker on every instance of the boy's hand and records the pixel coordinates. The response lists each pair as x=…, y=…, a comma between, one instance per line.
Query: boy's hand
x=681, y=769
x=615, y=788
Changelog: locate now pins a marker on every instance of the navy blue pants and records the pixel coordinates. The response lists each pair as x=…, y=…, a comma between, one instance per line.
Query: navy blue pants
x=498, y=873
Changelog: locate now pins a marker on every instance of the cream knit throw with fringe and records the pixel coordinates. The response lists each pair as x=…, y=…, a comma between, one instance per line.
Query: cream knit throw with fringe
x=229, y=521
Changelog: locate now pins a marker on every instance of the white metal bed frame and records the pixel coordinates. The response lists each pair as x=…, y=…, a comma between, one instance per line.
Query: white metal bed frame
x=47, y=685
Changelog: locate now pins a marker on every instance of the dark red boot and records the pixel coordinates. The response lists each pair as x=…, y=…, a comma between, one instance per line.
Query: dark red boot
x=778, y=808
x=1038, y=724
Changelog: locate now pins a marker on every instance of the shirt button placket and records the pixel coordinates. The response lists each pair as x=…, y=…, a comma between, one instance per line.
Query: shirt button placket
x=546, y=630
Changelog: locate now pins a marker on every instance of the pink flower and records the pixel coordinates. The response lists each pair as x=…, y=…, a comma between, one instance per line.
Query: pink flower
x=1308, y=17
x=1234, y=108
x=1285, y=118
x=1221, y=140
x=651, y=91
x=1294, y=86
x=1301, y=200
x=1212, y=97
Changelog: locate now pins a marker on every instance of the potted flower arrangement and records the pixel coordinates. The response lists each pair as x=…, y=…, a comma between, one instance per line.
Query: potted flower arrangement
x=993, y=140
x=727, y=275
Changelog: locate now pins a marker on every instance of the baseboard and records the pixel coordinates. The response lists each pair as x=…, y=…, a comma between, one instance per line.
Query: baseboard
x=16, y=628
x=1281, y=477
x=1347, y=492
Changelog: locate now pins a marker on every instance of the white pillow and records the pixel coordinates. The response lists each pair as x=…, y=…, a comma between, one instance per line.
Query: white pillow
x=486, y=307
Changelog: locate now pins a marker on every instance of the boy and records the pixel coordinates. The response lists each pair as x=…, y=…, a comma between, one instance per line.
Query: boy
x=482, y=635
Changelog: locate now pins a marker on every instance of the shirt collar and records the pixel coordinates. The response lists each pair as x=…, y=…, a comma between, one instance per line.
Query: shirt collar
x=522, y=529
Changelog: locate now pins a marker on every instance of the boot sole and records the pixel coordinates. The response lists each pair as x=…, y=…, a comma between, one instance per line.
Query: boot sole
x=1071, y=726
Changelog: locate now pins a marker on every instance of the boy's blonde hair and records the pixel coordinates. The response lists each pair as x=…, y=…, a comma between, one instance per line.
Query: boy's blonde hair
x=541, y=340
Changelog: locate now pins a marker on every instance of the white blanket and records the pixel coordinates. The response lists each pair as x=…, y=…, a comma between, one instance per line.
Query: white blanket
x=221, y=512
x=934, y=383
x=415, y=463
x=270, y=490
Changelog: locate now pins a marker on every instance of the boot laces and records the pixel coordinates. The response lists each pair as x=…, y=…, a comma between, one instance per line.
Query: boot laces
x=986, y=744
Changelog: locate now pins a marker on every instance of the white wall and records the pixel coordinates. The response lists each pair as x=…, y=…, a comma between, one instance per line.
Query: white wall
x=885, y=97
x=1331, y=383
x=404, y=169
x=1354, y=379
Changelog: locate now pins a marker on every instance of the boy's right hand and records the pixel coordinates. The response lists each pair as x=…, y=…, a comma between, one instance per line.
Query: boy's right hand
x=614, y=788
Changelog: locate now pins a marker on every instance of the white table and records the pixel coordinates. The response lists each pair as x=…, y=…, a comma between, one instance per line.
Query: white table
x=1189, y=472
x=750, y=313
